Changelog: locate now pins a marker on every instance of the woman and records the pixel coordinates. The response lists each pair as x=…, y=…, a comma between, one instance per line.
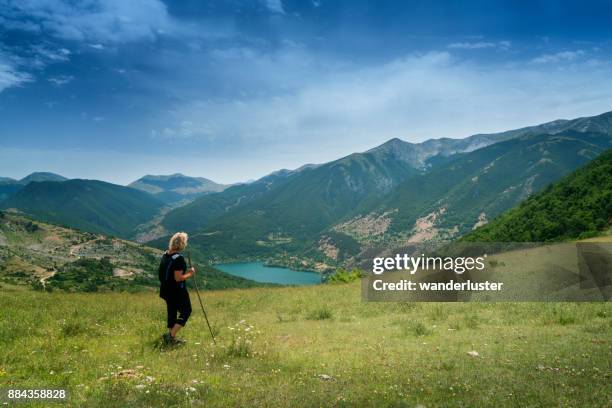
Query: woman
x=172, y=276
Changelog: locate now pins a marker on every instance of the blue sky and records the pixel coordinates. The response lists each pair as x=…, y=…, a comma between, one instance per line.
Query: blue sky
x=232, y=90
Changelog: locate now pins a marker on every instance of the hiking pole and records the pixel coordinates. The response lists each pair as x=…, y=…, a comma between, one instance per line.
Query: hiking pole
x=195, y=281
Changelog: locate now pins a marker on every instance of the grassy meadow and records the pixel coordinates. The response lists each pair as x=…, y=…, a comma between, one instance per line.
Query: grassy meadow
x=306, y=346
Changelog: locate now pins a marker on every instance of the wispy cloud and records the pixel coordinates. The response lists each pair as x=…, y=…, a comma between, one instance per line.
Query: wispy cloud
x=61, y=80
x=479, y=45
x=415, y=97
x=46, y=54
x=275, y=6
x=19, y=66
x=95, y=20
x=183, y=130
x=563, y=56
x=10, y=74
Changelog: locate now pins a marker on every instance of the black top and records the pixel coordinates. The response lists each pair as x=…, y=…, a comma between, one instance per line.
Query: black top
x=167, y=266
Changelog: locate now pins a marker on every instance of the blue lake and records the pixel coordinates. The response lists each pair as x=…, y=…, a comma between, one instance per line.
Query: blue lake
x=259, y=272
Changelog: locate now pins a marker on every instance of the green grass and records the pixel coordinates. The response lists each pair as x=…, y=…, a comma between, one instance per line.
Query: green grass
x=276, y=347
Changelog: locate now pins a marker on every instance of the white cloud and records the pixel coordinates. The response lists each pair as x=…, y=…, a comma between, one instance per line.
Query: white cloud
x=275, y=6
x=564, y=56
x=61, y=80
x=10, y=75
x=39, y=56
x=93, y=20
x=17, y=68
x=184, y=130
x=501, y=45
x=348, y=108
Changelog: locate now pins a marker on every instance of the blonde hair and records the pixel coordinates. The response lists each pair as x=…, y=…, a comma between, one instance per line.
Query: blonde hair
x=178, y=242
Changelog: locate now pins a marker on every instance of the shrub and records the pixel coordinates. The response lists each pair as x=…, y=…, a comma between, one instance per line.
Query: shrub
x=344, y=276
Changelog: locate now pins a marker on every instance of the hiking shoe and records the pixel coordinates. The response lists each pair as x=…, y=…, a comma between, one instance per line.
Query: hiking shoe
x=179, y=342
x=167, y=339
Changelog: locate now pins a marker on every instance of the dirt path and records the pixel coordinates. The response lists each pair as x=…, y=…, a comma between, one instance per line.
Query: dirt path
x=76, y=247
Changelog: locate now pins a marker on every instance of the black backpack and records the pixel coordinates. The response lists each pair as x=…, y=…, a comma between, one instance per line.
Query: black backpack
x=164, y=276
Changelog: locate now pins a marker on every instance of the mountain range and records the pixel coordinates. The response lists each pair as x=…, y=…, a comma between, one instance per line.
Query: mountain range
x=333, y=213
x=101, y=207
x=398, y=192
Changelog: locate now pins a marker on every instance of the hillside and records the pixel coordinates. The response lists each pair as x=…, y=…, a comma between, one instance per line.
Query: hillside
x=176, y=187
x=8, y=187
x=201, y=211
x=285, y=214
x=462, y=193
x=53, y=257
x=34, y=253
x=89, y=205
x=578, y=206
x=475, y=187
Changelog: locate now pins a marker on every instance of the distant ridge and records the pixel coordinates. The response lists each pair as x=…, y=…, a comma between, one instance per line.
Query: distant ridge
x=41, y=176
x=9, y=186
x=418, y=154
x=176, y=187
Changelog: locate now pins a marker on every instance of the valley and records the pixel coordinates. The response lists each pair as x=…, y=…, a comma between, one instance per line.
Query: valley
x=331, y=215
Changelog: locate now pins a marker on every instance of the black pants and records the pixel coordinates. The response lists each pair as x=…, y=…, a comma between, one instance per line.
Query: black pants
x=180, y=303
